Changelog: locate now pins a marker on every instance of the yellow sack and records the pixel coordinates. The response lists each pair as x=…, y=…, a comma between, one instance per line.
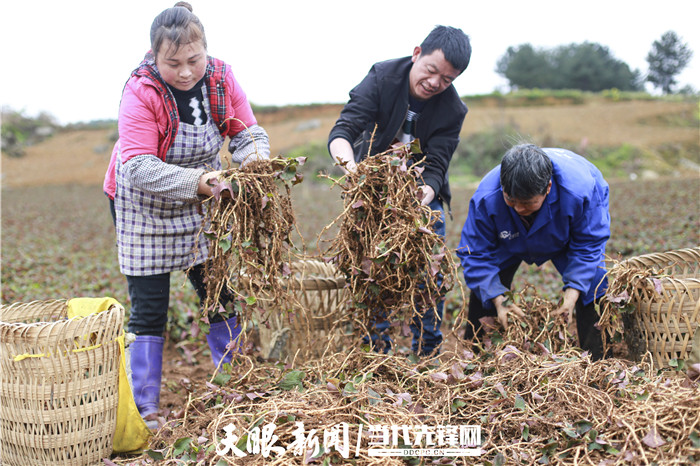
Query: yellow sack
x=131, y=433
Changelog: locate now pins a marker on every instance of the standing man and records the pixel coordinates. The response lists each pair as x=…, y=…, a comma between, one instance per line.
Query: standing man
x=410, y=98
x=538, y=205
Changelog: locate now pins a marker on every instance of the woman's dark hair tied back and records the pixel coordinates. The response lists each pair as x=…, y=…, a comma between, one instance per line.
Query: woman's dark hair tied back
x=178, y=25
x=184, y=5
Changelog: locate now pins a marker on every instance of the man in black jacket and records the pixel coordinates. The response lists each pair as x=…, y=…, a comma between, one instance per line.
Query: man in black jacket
x=410, y=98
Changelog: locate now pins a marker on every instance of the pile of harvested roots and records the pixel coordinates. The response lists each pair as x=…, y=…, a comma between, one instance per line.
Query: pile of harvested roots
x=393, y=261
x=542, y=330
x=555, y=407
x=249, y=221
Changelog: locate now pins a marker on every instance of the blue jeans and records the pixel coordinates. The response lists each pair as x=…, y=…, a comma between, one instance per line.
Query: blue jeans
x=427, y=322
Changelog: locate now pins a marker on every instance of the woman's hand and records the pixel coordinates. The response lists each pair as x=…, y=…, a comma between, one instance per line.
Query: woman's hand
x=207, y=181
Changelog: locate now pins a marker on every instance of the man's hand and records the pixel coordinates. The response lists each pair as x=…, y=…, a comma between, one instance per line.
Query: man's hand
x=504, y=309
x=342, y=153
x=428, y=195
x=568, y=304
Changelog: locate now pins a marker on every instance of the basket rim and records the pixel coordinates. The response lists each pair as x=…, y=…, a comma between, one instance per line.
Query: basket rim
x=663, y=260
x=312, y=282
x=63, y=322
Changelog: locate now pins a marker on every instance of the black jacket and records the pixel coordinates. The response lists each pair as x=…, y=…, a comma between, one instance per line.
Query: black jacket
x=382, y=98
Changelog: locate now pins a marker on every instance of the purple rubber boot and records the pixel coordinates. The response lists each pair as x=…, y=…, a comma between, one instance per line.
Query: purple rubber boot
x=220, y=335
x=146, y=371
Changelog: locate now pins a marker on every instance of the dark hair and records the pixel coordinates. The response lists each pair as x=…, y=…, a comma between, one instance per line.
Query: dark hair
x=178, y=25
x=525, y=172
x=454, y=45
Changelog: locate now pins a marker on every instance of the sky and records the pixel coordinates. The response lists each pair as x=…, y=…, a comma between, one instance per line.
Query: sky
x=71, y=58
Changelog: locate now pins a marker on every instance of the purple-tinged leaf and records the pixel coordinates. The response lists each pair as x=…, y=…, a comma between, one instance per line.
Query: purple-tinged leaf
x=652, y=439
x=218, y=187
x=438, y=376
x=501, y=390
x=286, y=270
x=457, y=372
x=621, y=298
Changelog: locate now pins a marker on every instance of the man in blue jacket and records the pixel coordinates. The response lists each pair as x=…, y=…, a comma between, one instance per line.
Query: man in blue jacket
x=538, y=205
x=405, y=99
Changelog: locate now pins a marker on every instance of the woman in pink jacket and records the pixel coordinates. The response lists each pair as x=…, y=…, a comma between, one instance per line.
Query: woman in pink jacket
x=176, y=110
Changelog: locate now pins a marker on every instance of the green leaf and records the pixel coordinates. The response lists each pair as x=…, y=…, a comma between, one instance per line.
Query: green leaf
x=526, y=433
x=221, y=379
x=456, y=404
x=499, y=459
x=250, y=300
x=496, y=338
x=289, y=173
x=695, y=438
x=520, y=403
x=415, y=147
x=292, y=380
x=612, y=450
x=224, y=244
x=361, y=378
x=349, y=388
x=594, y=446
x=181, y=445
x=582, y=427
x=155, y=454
x=395, y=162
x=374, y=397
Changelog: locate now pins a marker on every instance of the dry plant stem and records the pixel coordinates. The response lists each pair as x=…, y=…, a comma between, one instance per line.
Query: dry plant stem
x=249, y=225
x=395, y=265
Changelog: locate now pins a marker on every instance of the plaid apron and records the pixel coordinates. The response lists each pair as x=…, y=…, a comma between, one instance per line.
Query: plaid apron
x=156, y=234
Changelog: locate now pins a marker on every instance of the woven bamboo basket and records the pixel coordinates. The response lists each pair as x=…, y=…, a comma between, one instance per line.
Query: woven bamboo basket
x=315, y=323
x=58, y=384
x=666, y=304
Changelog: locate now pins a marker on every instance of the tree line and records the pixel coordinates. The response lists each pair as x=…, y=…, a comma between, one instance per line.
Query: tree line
x=592, y=67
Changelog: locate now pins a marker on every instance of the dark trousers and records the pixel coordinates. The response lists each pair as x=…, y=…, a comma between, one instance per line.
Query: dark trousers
x=589, y=337
x=150, y=300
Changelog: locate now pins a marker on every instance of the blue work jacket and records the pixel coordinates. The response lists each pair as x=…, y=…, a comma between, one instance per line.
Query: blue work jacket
x=570, y=229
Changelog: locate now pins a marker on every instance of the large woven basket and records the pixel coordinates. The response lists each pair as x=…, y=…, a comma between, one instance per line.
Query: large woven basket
x=58, y=384
x=316, y=321
x=666, y=305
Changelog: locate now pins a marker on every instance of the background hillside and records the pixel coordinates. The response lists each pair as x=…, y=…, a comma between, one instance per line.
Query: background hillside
x=624, y=135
